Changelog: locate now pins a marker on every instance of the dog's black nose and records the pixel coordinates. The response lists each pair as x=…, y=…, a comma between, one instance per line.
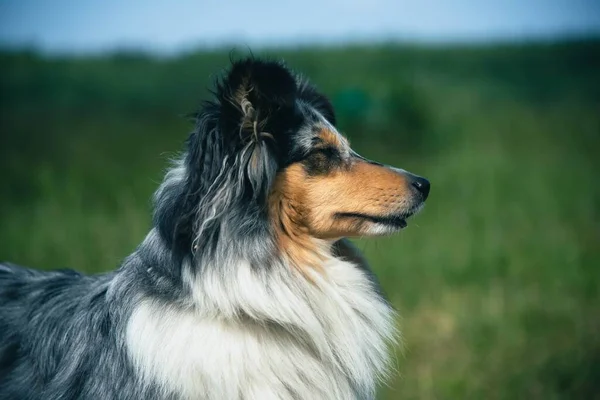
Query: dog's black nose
x=422, y=185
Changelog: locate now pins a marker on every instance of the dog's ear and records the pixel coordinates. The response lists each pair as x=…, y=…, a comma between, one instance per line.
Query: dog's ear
x=252, y=94
x=257, y=110
x=239, y=140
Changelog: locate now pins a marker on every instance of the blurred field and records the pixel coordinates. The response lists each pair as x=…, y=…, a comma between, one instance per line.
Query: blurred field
x=497, y=280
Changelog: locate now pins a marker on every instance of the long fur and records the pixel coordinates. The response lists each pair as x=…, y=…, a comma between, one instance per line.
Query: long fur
x=208, y=306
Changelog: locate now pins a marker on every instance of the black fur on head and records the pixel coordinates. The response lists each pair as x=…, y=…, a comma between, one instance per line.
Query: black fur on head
x=241, y=139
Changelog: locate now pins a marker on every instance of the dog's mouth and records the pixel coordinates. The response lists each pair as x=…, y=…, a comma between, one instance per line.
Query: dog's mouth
x=396, y=221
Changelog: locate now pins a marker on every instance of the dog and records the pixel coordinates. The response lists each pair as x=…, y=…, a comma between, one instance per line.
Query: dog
x=246, y=286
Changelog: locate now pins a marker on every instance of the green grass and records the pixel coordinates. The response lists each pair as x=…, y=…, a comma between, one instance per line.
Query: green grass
x=497, y=281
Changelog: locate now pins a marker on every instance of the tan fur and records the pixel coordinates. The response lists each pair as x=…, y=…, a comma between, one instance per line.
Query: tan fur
x=304, y=207
x=288, y=216
x=331, y=138
x=361, y=187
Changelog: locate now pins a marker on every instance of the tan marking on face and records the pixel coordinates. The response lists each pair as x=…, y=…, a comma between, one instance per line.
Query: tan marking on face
x=330, y=138
x=362, y=188
x=287, y=214
x=304, y=207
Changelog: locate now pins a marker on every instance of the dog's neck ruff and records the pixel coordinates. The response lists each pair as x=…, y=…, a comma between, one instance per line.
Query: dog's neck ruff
x=266, y=333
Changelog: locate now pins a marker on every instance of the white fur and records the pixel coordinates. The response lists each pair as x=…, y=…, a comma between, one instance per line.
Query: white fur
x=381, y=229
x=266, y=334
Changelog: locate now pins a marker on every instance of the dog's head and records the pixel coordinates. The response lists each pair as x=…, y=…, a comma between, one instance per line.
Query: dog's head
x=266, y=156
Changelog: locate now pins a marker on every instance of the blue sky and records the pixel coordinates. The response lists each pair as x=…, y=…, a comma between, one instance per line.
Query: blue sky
x=171, y=26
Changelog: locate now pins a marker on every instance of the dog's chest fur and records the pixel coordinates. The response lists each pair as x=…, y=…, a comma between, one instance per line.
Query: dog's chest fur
x=267, y=336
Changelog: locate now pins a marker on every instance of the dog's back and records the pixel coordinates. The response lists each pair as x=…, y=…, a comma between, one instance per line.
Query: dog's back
x=57, y=339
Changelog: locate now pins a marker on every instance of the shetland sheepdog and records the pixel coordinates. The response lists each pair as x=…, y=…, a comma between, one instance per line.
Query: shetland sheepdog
x=246, y=286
